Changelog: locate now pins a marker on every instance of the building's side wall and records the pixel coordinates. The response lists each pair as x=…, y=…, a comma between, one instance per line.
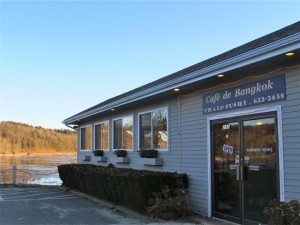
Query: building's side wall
x=169, y=157
x=188, y=136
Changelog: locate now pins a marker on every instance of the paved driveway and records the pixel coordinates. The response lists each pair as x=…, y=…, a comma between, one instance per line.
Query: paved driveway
x=49, y=205
x=52, y=206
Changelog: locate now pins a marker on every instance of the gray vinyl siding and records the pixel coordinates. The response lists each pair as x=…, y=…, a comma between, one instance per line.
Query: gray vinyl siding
x=291, y=135
x=187, y=131
x=193, y=130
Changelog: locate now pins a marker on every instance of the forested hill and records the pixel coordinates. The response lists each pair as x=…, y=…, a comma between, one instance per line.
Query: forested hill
x=19, y=138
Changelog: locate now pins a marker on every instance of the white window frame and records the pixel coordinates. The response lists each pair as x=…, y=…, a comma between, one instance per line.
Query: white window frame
x=89, y=150
x=168, y=134
x=94, y=135
x=277, y=110
x=113, y=131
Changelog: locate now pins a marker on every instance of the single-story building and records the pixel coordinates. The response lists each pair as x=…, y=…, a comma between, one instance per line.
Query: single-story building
x=231, y=123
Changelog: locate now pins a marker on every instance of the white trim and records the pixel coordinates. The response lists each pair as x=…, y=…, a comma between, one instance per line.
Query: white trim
x=150, y=111
x=280, y=159
x=113, y=130
x=276, y=109
x=209, y=197
x=86, y=150
x=94, y=135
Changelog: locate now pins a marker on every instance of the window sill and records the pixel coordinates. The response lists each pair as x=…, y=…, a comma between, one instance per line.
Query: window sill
x=124, y=160
x=101, y=158
x=152, y=161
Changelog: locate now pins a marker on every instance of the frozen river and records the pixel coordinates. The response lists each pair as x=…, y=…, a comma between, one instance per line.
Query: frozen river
x=33, y=169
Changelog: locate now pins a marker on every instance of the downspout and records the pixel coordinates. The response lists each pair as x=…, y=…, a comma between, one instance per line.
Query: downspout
x=179, y=153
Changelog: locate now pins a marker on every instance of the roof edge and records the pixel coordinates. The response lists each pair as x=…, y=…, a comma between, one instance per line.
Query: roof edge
x=263, y=52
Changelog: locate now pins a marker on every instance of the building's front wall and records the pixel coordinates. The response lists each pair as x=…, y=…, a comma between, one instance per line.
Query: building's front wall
x=195, y=140
x=291, y=135
x=189, y=139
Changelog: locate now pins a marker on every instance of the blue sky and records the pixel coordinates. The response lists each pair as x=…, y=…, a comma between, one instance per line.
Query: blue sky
x=61, y=57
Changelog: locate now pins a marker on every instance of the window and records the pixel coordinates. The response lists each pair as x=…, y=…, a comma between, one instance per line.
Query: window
x=102, y=136
x=86, y=138
x=153, y=129
x=123, y=133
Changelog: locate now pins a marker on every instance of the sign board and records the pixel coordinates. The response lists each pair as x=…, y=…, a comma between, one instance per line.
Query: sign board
x=259, y=92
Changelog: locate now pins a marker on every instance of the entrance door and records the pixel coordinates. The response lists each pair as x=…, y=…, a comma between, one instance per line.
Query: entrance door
x=244, y=168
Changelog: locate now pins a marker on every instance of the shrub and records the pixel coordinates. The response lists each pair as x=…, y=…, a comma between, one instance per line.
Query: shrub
x=128, y=187
x=98, y=153
x=148, y=153
x=169, y=205
x=283, y=213
x=120, y=153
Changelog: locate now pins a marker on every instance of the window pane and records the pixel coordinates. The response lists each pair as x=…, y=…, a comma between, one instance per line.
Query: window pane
x=104, y=135
x=145, y=131
x=160, y=133
x=82, y=138
x=127, y=133
x=118, y=134
x=86, y=138
x=98, y=136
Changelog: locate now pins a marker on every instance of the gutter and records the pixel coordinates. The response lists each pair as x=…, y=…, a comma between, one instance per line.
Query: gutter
x=264, y=52
x=72, y=127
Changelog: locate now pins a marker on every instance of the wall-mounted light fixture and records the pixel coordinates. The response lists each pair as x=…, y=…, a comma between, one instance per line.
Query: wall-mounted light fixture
x=176, y=89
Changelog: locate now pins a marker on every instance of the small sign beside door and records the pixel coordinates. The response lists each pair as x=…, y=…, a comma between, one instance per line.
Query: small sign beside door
x=228, y=149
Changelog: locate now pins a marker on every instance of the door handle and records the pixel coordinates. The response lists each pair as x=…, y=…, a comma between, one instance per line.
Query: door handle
x=241, y=173
x=254, y=168
x=233, y=167
x=238, y=173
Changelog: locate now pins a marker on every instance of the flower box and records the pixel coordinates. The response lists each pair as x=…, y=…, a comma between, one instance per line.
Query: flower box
x=120, y=153
x=124, y=160
x=148, y=153
x=101, y=159
x=98, y=152
x=152, y=161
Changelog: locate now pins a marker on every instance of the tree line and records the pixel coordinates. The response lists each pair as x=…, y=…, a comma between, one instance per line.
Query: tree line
x=20, y=138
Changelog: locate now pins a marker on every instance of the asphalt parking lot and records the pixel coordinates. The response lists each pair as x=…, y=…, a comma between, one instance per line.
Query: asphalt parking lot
x=49, y=205
x=42, y=205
